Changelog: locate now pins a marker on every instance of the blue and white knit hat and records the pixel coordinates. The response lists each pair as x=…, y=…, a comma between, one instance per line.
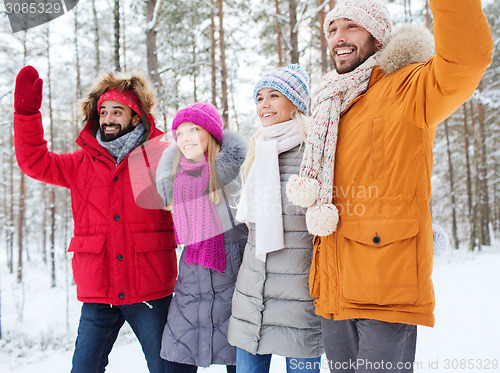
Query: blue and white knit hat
x=292, y=81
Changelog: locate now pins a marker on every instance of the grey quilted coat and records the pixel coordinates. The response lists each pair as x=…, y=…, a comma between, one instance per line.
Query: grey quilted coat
x=196, y=329
x=273, y=312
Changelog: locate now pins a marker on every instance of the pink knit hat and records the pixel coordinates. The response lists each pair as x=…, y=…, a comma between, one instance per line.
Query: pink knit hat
x=372, y=15
x=202, y=114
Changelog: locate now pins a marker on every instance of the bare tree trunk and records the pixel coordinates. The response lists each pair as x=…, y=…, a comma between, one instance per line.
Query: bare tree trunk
x=117, y=35
x=6, y=169
x=53, y=236
x=495, y=209
x=20, y=229
x=77, y=57
x=332, y=5
x=475, y=205
x=152, y=16
x=10, y=219
x=278, y=33
x=96, y=38
x=323, y=42
x=496, y=202
x=427, y=15
x=123, y=31
x=484, y=202
x=452, y=188
x=52, y=198
x=44, y=222
x=66, y=238
x=224, y=100
x=195, y=84
x=236, y=122
x=5, y=221
x=213, y=47
x=78, y=91
x=472, y=227
x=294, y=40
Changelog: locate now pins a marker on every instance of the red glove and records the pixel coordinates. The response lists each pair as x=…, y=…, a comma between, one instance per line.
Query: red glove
x=28, y=93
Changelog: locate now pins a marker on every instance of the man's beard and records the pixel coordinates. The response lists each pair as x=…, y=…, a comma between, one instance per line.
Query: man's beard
x=121, y=131
x=365, y=51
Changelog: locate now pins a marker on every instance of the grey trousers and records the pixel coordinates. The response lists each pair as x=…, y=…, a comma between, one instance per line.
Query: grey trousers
x=362, y=345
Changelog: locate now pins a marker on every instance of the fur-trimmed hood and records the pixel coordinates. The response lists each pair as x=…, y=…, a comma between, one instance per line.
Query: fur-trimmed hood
x=410, y=43
x=227, y=163
x=135, y=81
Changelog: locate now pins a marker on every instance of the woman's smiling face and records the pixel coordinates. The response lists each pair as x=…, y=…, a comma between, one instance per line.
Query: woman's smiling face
x=273, y=107
x=192, y=140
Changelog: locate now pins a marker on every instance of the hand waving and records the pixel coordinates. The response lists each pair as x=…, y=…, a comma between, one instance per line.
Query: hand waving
x=28, y=93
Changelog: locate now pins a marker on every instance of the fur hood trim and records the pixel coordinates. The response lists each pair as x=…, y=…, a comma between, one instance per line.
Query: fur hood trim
x=409, y=44
x=135, y=81
x=227, y=163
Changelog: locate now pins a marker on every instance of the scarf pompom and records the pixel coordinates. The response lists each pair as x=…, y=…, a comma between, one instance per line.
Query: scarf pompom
x=302, y=191
x=322, y=220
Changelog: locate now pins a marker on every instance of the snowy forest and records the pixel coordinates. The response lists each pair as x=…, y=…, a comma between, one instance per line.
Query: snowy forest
x=214, y=51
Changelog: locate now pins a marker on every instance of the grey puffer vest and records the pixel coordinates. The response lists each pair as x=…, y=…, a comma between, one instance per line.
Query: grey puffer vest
x=272, y=310
x=196, y=329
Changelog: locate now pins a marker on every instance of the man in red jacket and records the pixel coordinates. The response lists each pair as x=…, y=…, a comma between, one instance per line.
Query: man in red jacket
x=124, y=261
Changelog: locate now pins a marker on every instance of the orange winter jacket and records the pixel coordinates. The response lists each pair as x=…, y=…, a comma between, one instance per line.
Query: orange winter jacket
x=378, y=263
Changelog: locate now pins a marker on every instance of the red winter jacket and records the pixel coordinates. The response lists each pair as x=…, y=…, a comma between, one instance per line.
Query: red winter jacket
x=123, y=253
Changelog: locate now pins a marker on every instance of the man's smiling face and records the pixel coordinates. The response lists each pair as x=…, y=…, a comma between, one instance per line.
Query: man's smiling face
x=350, y=45
x=115, y=120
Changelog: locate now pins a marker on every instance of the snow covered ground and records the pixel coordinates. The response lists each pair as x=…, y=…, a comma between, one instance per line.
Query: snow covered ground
x=465, y=339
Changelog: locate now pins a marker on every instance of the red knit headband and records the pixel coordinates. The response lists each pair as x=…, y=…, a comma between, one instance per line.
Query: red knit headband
x=128, y=98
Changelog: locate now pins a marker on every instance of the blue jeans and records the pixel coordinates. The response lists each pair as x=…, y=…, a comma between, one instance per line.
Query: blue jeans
x=250, y=363
x=99, y=327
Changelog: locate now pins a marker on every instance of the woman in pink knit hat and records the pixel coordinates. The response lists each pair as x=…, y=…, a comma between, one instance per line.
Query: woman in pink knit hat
x=197, y=179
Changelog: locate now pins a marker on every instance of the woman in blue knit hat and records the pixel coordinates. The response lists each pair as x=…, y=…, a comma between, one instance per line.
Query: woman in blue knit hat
x=272, y=310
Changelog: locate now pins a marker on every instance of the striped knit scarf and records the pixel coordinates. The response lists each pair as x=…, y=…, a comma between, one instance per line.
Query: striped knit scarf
x=196, y=222
x=313, y=187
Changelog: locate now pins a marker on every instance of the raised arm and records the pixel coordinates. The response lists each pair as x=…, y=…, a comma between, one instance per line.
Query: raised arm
x=463, y=52
x=32, y=154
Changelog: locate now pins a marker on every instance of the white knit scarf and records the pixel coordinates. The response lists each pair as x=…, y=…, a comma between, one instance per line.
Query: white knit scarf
x=313, y=187
x=261, y=197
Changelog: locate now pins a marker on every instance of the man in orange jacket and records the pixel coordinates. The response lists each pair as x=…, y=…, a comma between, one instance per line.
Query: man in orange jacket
x=365, y=176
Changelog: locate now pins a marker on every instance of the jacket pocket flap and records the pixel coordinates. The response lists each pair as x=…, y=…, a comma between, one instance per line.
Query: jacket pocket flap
x=148, y=241
x=380, y=232
x=87, y=244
